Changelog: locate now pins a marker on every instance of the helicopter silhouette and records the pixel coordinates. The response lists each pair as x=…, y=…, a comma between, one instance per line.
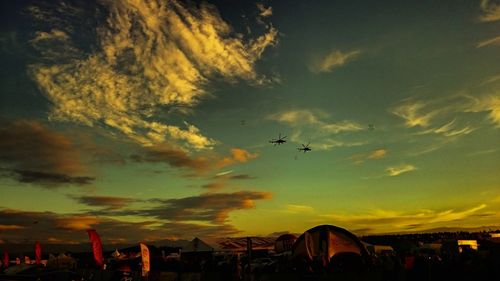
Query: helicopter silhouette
x=279, y=140
x=304, y=148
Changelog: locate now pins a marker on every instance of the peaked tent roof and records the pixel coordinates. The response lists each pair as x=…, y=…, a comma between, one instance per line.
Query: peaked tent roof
x=197, y=245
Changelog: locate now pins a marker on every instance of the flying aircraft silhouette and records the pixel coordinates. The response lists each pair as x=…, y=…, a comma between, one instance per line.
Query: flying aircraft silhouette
x=305, y=148
x=279, y=140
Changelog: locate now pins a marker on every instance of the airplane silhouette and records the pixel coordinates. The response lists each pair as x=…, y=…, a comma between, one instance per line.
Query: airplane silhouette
x=305, y=148
x=279, y=140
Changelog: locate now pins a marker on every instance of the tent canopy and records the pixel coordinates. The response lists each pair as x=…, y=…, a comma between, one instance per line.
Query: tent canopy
x=325, y=241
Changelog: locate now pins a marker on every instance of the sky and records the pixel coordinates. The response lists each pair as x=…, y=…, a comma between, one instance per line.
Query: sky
x=151, y=120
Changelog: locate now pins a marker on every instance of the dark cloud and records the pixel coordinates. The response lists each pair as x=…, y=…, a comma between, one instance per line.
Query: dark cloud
x=176, y=157
x=209, y=207
x=230, y=176
x=47, y=179
x=214, y=185
x=35, y=154
x=179, y=229
x=20, y=227
x=109, y=202
x=171, y=156
x=241, y=177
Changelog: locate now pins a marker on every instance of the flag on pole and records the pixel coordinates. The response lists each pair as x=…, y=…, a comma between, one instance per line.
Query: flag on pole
x=96, y=247
x=38, y=252
x=145, y=259
x=6, y=259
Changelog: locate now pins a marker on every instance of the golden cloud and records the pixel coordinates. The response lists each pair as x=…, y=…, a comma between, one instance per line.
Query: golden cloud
x=393, y=221
x=4, y=227
x=489, y=42
x=398, y=170
x=150, y=54
x=238, y=155
x=76, y=222
x=334, y=59
x=491, y=11
x=372, y=155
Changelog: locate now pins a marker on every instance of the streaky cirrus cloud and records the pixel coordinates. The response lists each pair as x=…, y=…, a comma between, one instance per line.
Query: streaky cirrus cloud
x=381, y=220
x=315, y=118
x=447, y=110
x=320, y=131
x=486, y=103
x=490, y=11
x=401, y=169
x=449, y=130
x=32, y=153
x=489, y=42
x=490, y=79
x=415, y=113
x=298, y=209
x=148, y=54
x=360, y=158
x=334, y=59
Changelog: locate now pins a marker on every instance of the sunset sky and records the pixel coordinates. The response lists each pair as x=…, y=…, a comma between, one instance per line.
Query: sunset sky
x=149, y=120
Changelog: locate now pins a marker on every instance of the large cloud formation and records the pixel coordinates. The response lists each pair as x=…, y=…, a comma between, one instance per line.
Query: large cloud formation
x=147, y=54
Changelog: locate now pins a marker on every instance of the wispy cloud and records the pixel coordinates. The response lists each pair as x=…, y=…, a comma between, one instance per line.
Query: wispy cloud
x=372, y=155
x=491, y=11
x=298, y=209
x=489, y=42
x=148, y=55
x=334, y=59
x=415, y=113
x=392, y=221
x=401, y=169
x=491, y=79
x=448, y=130
x=320, y=130
x=486, y=103
x=483, y=152
x=264, y=11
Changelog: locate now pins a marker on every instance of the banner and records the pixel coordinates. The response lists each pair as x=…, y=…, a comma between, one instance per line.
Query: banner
x=6, y=259
x=38, y=253
x=145, y=259
x=96, y=247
